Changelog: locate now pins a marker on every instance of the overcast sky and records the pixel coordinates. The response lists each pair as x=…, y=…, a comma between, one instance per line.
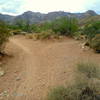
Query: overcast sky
x=16, y=7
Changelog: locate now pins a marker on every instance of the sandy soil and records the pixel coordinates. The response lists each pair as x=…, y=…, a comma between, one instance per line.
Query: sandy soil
x=35, y=67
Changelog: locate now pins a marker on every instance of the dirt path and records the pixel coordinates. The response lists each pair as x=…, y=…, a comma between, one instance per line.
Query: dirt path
x=38, y=66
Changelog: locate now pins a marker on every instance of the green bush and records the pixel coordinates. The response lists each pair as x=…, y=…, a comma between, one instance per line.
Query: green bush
x=4, y=35
x=35, y=28
x=90, y=70
x=38, y=28
x=66, y=26
x=95, y=43
x=92, y=29
x=23, y=25
x=45, y=26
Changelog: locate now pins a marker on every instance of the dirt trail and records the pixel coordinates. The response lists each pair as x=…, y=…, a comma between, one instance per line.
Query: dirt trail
x=38, y=66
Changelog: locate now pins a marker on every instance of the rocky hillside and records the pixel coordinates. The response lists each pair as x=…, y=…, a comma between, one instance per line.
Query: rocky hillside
x=6, y=18
x=89, y=19
x=36, y=17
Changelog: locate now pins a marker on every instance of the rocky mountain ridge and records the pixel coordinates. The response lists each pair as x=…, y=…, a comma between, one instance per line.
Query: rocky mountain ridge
x=37, y=17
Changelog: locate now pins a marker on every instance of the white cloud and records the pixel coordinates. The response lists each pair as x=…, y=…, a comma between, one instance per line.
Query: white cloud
x=44, y=6
x=11, y=6
x=54, y=5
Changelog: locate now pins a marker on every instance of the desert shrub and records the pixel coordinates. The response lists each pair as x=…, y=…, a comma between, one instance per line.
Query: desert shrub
x=92, y=29
x=16, y=32
x=12, y=27
x=88, y=89
x=44, y=35
x=76, y=92
x=58, y=93
x=85, y=87
x=4, y=35
x=45, y=26
x=78, y=36
x=38, y=28
x=35, y=28
x=95, y=43
x=91, y=70
x=66, y=26
x=23, y=25
x=49, y=34
x=87, y=81
x=30, y=36
x=63, y=93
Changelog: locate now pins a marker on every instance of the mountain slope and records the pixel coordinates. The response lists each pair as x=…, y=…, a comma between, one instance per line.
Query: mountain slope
x=6, y=18
x=89, y=19
x=36, y=17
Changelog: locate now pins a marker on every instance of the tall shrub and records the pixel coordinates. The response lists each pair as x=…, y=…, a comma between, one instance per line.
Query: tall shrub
x=92, y=29
x=4, y=34
x=64, y=25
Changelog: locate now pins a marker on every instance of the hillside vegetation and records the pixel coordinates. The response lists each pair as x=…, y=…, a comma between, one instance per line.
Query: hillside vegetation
x=63, y=26
x=86, y=20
